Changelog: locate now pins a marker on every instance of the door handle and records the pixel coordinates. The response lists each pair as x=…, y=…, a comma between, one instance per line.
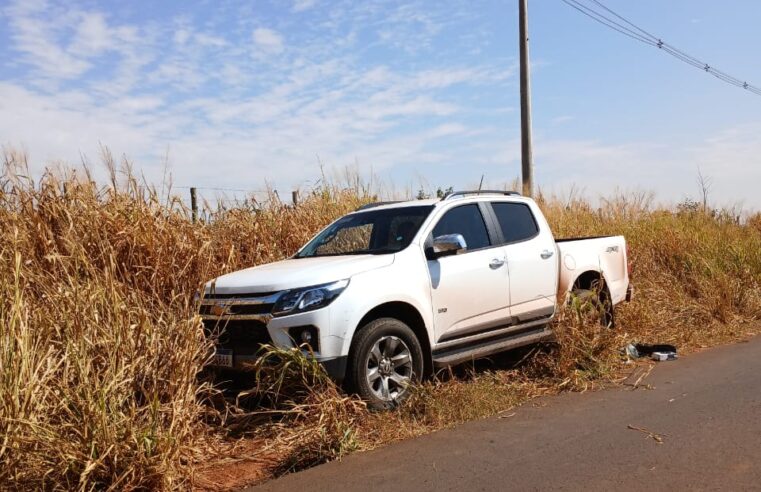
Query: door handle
x=547, y=254
x=496, y=263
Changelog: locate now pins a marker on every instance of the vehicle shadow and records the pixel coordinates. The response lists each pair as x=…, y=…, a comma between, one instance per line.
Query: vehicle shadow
x=509, y=360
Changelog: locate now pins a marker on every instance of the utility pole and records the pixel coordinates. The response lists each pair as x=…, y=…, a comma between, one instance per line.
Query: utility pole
x=527, y=158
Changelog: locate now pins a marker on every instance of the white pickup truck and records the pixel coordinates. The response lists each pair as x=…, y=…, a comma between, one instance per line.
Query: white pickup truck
x=385, y=295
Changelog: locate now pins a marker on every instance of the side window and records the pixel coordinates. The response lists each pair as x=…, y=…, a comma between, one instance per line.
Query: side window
x=402, y=229
x=466, y=220
x=516, y=221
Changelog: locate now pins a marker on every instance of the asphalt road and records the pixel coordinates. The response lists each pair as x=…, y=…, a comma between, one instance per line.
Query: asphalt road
x=706, y=408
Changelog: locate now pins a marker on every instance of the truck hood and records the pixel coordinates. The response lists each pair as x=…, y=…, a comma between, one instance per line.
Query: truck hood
x=295, y=273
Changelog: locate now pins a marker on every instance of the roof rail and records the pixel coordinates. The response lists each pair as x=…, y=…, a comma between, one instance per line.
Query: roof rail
x=480, y=192
x=375, y=204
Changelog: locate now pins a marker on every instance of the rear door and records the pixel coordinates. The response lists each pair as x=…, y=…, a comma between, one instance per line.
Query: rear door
x=531, y=261
x=469, y=291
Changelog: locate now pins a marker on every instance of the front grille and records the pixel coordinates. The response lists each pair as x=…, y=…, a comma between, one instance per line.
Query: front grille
x=238, y=321
x=238, y=305
x=214, y=296
x=243, y=337
x=237, y=309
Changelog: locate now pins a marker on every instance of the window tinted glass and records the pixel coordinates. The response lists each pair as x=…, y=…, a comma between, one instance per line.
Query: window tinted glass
x=351, y=238
x=516, y=220
x=465, y=220
x=371, y=232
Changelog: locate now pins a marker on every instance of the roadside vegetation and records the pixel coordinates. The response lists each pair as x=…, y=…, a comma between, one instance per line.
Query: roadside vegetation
x=100, y=348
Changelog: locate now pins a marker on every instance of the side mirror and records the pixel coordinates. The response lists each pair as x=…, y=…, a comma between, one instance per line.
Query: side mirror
x=449, y=244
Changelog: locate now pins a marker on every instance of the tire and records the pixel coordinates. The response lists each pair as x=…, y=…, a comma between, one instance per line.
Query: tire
x=385, y=357
x=600, y=301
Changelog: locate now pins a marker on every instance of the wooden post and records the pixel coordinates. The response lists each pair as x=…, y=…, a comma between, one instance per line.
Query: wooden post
x=295, y=198
x=194, y=204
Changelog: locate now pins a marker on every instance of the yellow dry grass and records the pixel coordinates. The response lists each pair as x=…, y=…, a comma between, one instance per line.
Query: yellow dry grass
x=100, y=348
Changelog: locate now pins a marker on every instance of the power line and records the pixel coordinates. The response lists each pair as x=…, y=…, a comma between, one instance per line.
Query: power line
x=602, y=19
x=625, y=20
x=626, y=27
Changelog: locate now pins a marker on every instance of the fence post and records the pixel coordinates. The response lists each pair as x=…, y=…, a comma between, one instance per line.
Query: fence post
x=193, y=204
x=295, y=198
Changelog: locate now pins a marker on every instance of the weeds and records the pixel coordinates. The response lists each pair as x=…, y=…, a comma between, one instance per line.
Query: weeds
x=100, y=347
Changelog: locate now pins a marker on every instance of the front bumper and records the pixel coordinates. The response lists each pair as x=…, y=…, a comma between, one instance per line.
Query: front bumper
x=243, y=335
x=335, y=368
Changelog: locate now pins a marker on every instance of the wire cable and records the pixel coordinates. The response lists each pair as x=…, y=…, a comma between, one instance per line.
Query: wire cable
x=630, y=29
x=222, y=189
x=607, y=22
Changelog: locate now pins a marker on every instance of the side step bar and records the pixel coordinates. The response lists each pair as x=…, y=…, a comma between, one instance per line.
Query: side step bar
x=486, y=348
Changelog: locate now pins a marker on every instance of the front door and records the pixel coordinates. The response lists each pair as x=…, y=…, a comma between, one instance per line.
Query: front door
x=469, y=290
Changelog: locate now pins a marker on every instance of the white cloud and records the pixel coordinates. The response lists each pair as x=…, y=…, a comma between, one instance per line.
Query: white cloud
x=230, y=120
x=93, y=35
x=210, y=40
x=181, y=36
x=731, y=159
x=63, y=43
x=35, y=40
x=302, y=5
x=268, y=40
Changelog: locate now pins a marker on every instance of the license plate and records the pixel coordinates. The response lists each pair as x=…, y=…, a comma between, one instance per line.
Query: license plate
x=222, y=358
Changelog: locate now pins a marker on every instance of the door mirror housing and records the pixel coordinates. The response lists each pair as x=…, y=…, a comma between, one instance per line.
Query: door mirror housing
x=448, y=244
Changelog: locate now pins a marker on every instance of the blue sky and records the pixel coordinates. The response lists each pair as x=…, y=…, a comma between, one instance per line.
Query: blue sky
x=233, y=94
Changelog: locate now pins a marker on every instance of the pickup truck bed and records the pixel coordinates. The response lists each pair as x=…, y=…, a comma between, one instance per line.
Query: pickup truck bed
x=604, y=254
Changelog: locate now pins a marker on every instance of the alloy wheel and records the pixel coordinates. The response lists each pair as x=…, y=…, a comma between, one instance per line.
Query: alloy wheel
x=389, y=368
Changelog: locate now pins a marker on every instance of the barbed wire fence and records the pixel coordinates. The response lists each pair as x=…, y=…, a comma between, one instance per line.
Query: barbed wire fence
x=228, y=198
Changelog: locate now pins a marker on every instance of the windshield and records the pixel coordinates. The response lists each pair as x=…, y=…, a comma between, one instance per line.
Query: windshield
x=371, y=232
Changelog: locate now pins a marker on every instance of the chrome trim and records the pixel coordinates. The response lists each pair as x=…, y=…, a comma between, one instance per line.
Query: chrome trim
x=489, y=334
x=494, y=326
x=466, y=354
x=449, y=243
x=243, y=300
x=264, y=318
x=496, y=263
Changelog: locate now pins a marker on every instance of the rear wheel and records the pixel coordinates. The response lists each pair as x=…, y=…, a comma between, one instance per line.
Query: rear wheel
x=385, y=358
x=597, y=299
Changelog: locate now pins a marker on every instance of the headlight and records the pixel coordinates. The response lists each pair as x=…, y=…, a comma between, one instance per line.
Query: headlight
x=308, y=298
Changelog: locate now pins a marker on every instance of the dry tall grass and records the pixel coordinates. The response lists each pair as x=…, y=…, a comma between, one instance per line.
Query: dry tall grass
x=100, y=348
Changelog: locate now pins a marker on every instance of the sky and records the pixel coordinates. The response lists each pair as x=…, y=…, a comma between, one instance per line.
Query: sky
x=234, y=95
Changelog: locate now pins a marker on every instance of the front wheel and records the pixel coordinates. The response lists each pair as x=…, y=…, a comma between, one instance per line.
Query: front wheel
x=385, y=358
